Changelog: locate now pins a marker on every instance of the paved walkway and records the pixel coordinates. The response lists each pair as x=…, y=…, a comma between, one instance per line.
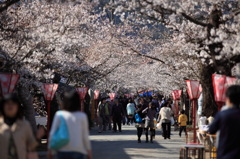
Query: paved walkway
x=124, y=145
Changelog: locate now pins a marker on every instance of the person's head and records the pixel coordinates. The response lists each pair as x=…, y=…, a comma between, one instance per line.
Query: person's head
x=10, y=107
x=182, y=111
x=165, y=104
x=169, y=100
x=71, y=101
x=103, y=100
x=108, y=100
x=130, y=101
x=150, y=105
x=141, y=100
x=233, y=96
x=139, y=106
x=116, y=101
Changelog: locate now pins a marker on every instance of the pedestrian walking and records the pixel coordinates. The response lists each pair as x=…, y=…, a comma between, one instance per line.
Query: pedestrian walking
x=165, y=119
x=110, y=104
x=76, y=121
x=117, y=115
x=228, y=122
x=139, y=116
x=156, y=102
x=103, y=113
x=16, y=136
x=149, y=121
x=123, y=100
x=182, y=120
x=130, y=111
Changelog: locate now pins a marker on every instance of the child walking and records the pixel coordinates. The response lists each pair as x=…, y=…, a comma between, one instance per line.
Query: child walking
x=182, y=120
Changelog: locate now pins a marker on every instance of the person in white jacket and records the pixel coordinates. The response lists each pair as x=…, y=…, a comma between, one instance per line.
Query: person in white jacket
x=79, y=146
x=130, y=111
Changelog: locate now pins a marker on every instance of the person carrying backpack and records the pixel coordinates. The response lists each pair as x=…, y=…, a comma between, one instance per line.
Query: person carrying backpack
x=130, y=111
x=103, y=113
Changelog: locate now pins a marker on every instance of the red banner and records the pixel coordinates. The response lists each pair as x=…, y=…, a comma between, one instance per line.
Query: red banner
x=96, y=94
x=112, y=95
x=49, y=91
x=82, y=91
x=176, y=94
x=8, y=82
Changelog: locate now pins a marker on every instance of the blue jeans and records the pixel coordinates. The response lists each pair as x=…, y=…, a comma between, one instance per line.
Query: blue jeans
x=70, y=155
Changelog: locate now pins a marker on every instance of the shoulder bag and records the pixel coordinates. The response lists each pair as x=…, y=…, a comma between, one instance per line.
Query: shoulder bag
x=60, y=137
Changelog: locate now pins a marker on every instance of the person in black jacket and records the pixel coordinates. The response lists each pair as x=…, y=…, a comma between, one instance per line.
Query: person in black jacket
x=228, y=122
x=117, y=115
x=140, y=125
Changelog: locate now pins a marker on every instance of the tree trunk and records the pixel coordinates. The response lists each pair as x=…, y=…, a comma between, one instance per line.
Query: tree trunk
x=209, y=105
x=27, y=101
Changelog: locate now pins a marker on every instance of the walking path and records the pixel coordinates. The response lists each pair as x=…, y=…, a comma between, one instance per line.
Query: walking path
x=124, y=145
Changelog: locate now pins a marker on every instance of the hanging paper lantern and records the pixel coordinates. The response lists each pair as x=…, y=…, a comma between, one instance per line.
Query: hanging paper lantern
x=8, y=82
x=176, y=94
x=82, y=91
x=96, y=94
x=112, y=95
x=220, y=85
x=49, y=91
x=193, y=89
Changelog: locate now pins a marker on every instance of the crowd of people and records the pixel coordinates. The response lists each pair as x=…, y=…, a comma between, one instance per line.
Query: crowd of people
x=143, y=112
x=69, y=135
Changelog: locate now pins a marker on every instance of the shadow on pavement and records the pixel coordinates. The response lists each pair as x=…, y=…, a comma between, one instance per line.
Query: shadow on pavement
x=117, y=149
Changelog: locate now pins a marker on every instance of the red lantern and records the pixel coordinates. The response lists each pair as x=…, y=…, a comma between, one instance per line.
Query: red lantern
x=176, y=94
x=220, y=85
x=96, y=94
x=193, y=89
x=112, y=95
x=49, y=92
x=82, y=91
x=8, y=82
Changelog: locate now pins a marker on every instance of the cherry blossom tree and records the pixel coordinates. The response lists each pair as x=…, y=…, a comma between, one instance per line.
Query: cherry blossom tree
x=205, y=32
x=152, y=44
